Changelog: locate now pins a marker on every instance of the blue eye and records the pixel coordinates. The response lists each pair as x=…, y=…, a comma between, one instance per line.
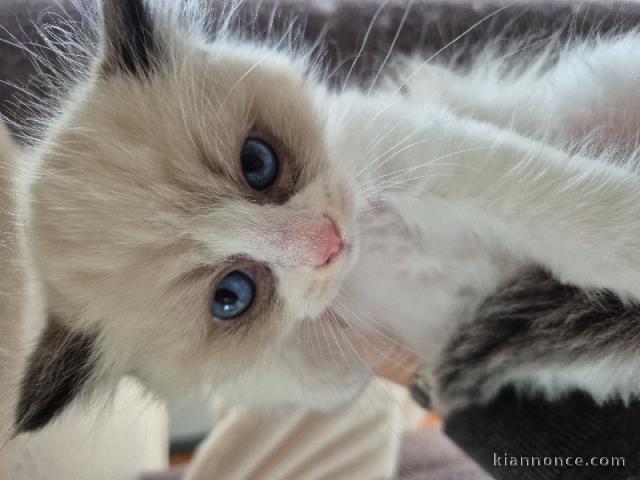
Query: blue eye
x=233, y=296
x=259, y=164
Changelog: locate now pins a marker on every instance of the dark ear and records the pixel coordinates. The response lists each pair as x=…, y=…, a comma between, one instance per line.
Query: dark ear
x=57, y=371
x=129, y=41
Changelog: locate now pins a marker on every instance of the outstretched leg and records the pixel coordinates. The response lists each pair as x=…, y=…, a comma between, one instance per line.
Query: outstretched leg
x=542, y=335
x=576, y=215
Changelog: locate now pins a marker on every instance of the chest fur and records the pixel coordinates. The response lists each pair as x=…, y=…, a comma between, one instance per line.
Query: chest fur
x=421, y=271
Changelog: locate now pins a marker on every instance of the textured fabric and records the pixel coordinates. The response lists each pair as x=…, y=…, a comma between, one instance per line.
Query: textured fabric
x=427, y=454
x=575, y=426
x=360, y=441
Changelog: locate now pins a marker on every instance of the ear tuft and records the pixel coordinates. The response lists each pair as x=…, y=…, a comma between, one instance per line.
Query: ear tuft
x=129, y=41
x=57, y=371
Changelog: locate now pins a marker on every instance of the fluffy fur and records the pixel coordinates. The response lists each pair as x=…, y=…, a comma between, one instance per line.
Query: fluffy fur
x=139, y=208
x=151, y=211
x=576, y=98
x=13, y=304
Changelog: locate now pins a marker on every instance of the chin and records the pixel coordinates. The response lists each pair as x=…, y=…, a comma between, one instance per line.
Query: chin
x=322, y=376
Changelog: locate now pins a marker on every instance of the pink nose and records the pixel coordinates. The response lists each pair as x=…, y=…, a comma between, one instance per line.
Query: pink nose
x=332, y=242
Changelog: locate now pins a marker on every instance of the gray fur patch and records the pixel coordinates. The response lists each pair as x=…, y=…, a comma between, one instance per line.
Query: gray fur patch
x=57, y=372
x=130, y=43
x=535, y=320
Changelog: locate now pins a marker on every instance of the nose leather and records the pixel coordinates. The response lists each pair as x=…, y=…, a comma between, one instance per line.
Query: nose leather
x=332, y=243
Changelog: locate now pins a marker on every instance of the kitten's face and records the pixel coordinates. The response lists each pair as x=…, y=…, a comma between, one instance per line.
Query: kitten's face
x=190, y=221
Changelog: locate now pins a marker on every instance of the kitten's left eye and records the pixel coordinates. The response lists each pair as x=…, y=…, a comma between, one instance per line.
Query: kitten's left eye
x=260, y=164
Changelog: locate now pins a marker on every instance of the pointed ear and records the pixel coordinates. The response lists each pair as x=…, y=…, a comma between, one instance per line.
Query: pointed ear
x=57, y=371
x=129, y=41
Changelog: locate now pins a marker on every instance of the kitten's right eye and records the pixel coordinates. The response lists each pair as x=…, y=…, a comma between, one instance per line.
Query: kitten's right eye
x=233, y=296
x=260, y=164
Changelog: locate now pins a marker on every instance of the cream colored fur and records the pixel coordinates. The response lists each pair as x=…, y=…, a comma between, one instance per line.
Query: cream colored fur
x=13, y=285
x=74, y=448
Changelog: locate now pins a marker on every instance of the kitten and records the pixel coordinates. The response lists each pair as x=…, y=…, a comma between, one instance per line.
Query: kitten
x=206, y=212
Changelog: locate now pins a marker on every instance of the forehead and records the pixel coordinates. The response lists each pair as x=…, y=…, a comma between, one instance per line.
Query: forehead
x=195, y=113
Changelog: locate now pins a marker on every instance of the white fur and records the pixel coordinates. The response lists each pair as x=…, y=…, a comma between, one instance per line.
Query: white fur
x=472, y=189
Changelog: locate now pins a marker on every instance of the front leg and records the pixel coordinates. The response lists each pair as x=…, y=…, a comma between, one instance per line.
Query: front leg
x=538, y=334
x=577, y=216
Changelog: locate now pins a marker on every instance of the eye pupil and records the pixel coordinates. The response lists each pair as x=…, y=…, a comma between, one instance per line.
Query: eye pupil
x=252, y=164
x=226, y=297
x=260, y=164
x=233, y=296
